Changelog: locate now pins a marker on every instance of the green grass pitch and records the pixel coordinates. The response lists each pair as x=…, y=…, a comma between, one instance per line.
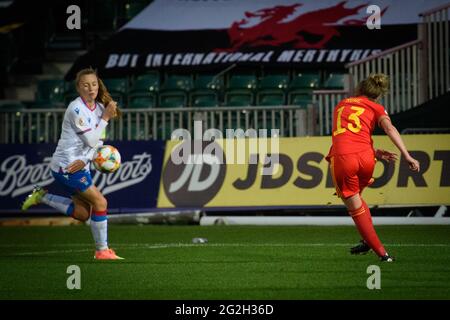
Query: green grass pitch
x=238, y=262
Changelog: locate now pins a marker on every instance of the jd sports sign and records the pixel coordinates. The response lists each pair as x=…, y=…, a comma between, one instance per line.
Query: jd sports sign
x=194, y=182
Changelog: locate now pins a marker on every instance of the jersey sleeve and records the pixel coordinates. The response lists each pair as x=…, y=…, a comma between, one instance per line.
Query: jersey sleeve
x=92, y=137
x=77, y=120
x=380, y=112
x=82, y=128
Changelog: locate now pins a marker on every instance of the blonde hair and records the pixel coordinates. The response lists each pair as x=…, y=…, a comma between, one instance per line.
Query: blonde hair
x=103, y=96
x=374, y=86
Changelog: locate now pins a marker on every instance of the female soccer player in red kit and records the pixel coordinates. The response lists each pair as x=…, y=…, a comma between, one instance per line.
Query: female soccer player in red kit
x=352, y=156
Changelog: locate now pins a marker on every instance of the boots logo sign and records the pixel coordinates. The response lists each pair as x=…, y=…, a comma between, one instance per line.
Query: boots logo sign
x=18, y=176
x=197, y=179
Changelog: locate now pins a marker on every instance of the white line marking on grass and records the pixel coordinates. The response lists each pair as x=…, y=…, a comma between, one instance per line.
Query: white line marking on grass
x=135, y=246
x=181, y=244
x=37, y=253
x=27, y=245
x=176, y=245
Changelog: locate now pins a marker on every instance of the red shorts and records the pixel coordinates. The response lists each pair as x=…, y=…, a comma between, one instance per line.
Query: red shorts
x=352, y=172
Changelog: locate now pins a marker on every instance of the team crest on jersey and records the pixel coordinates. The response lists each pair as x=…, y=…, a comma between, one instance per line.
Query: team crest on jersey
x=83, y=180
x=81, y=122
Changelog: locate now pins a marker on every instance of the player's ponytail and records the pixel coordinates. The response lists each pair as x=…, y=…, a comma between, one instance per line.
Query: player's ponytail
x=104, y=97
x=374, y=87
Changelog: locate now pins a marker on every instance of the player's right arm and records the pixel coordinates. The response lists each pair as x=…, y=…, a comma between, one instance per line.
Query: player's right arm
x=110, y=111
x=394, y=135
x=90, y=136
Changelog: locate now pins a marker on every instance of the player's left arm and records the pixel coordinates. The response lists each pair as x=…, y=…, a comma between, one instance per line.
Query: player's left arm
x=395, y=137
x=81, y=163
x=381, y=114
x=90, y=137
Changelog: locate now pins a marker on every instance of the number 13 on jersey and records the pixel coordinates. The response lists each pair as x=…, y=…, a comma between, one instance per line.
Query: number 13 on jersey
x=354, y=127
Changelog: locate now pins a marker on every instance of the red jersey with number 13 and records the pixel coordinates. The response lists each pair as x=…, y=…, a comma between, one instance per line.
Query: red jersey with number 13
x=354, y=120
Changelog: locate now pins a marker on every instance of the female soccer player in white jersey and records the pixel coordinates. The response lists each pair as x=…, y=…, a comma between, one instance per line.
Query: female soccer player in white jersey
x=83, y=127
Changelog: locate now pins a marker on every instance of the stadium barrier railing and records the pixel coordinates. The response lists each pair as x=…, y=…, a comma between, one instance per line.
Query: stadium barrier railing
x=419, y=70
x=434, y=32
x=44, y=125
x=403, y=66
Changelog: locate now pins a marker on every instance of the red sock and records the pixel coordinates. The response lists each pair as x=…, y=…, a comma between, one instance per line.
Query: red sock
x=363, y=221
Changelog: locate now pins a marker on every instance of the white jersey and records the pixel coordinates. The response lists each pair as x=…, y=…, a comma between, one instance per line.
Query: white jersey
x=79, y=123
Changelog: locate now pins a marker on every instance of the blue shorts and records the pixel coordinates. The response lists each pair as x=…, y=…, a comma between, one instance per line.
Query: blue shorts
x=74, y=182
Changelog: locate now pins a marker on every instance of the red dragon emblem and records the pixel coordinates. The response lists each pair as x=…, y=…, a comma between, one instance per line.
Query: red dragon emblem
x=272, y=30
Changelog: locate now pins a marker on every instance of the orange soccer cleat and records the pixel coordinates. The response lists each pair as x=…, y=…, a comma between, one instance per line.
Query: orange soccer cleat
x=107, y=254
